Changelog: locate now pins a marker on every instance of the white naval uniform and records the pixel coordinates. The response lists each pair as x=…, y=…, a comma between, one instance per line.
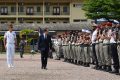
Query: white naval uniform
x=10, y=47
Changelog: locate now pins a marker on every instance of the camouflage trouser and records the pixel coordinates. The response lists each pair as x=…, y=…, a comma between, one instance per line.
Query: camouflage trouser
x=86, y=55
x=67, y=52
x=82, y=54
x=76, y=52
x=79, y=57
x=91, y=53
x=64, y=51
x=98, y=54
x=57, y=51
x=107, y=55
x=72, y=51
x=102, y=57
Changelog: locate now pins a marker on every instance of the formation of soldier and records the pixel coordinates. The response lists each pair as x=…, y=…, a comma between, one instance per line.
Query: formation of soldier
x=100, y=46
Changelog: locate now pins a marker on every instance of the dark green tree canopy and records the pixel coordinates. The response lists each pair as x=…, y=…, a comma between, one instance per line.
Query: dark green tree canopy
x=109, y=9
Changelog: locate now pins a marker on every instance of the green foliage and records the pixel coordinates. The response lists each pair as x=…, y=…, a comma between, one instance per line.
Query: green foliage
x=29, y=40
x=1, y=38
x=25, y=32
x=109, y=9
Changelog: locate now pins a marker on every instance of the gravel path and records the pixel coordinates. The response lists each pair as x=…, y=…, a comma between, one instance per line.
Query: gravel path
x=29, y=68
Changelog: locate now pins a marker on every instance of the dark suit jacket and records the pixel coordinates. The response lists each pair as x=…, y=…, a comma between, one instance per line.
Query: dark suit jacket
x=44, y=43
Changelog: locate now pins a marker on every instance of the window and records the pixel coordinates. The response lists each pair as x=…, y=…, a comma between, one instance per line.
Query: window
x=47, y=9
x=54, y=22
x=76, y=20
x=83, y=20
x=21, y=22
x=2, y=22
x=65, y=22
x=38, y=9
x=21, y=9
x=4, y=10
x=80, y=20
x=29, y=11
x=56, y=10
x=77, y=5
x=20, y=19
x=13, y=9
x=12, y=22
x=65, y=9
x=30, y=22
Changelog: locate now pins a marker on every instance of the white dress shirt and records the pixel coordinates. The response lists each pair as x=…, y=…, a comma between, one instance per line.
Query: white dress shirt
x=94, y=36
x=10, y=37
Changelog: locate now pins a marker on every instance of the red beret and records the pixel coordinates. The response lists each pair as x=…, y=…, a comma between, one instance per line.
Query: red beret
x=109, y=24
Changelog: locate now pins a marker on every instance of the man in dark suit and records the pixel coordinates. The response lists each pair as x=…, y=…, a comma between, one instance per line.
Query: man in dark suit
x=44, y=45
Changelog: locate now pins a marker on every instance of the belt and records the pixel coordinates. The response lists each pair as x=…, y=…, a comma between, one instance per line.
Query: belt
x=96, y=43
x=113, y=43
x=100, y=42
x=105, y=44
x=10, y=43
x=64, y=45
x=86, y=45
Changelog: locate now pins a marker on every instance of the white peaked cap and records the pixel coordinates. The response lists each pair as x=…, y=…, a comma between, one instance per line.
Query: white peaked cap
x=83, y=30
x=116, y=21
x=87, y=31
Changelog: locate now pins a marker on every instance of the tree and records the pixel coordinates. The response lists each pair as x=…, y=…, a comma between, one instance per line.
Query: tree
x=109, y=9
x=25, y=32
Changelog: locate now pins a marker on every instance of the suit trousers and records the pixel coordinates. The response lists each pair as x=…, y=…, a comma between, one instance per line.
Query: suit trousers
x=44, y=58
x=95, y=60
x=115, y=56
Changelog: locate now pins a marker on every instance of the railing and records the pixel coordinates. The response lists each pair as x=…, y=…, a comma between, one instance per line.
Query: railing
x=34, y=13
x=22, y=13
x=61, y=13
x=9, y=13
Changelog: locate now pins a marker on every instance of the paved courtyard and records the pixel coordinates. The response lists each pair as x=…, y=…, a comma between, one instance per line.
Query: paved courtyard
x=29, y=68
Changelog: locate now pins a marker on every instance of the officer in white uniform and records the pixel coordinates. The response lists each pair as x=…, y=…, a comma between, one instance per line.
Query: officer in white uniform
x=9, y=43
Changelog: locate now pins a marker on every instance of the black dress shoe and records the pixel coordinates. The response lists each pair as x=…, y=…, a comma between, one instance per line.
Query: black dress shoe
x=65, y=60
x=108, y=69
x=45, y=68
x=81, y=63
x=87, y=65
x=57, y=59
x=115, y=72
x=75, y=61
x=96, y=67
x=99, y=68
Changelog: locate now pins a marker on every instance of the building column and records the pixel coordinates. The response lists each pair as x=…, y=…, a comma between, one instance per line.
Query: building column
x=17, y=13
x=43, y=12
x=71, y=6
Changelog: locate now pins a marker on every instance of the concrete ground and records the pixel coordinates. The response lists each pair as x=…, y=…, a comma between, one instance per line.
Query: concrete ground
x=29, y=68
